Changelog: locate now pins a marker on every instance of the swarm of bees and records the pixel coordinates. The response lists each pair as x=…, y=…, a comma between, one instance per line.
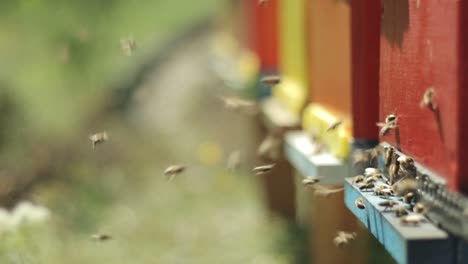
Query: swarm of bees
x=98, y=138
x=128, y=45
x=343, y=238
x=391, y=122
x=264, y=169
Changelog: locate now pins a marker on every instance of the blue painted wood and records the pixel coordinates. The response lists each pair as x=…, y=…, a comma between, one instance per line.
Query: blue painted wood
x=424, y=243
x=298, y=148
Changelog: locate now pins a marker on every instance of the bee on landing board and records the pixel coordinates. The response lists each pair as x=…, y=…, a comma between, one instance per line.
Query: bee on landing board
x=400, y=210
x=174, y=170
x=263, y=169
x=98, y=138
x=413, y=219
x=388, y=204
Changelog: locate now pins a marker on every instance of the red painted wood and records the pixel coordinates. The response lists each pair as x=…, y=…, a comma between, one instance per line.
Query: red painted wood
x=263, y=32
x=330, y=54
x=365, y=43
x=419, y=49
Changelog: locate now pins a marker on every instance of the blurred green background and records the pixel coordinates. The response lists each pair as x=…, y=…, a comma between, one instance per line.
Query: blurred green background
x=60, y=61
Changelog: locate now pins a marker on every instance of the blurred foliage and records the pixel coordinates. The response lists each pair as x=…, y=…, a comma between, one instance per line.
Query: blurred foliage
x=60, y=58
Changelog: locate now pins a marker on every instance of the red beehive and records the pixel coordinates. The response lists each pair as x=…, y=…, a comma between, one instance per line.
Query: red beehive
x=263, y=32
x=423, y=46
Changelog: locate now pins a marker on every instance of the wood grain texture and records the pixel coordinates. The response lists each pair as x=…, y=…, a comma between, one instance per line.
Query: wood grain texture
x=263, y=32
x=419, y=49
x=329, y=40
x=365, y=43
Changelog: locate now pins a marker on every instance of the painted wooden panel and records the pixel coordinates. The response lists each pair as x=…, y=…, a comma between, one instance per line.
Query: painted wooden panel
x=419, y=50
x=365, y=35
x=293, y=59
x=263, y=32
x=330, y=54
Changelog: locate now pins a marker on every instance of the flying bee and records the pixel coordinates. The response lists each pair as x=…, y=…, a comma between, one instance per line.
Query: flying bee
x=261, y=2
x=271, y=80
x=407, y=167
x=322, y=191
x=98, y=138
x=413, y=219
x=310, y=180
x=174, y=170
x=333, y=126
x=419, y=208
x=428, y=99
x=234, y=160
x=128, y=45
x=366, y=186
x=270, y=147
x=239, y=104
x=101, y=237
x=391, y=122
x=343, y=238
x=408, y=198
x=405, y=186
x=388, y=204
x=360, y=203
x=358, y=179
x=319, y=147
x=263, y=169
x=388, y=155
x=400, y=210
x=360, y=156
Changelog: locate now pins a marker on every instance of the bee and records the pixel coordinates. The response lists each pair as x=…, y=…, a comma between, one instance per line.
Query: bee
x=233, y=160
x=239, y=104
x=270, y=147
x=128, y=45
x=419, y=208
x=405, y=186
x=343, y=238
x=428, y=99
x=407, y=167
x=319, y=147
x=391, y=122
x=322, y=191
x=271, y=80
x=101, y=237
x=388, y=204
x=261, y=2
x=360, y=156
x=310, y=180
x=360, y=203
x=358, y=179
x=370, y=172
x=394, y=169
x=400, y=210
x=388, y=155
x=408, y=198
x=413, y=219
x=98, y=138
x=333, y=126
x=366, y=186
x=263, y=169
x=174, y=170
x=383, y=191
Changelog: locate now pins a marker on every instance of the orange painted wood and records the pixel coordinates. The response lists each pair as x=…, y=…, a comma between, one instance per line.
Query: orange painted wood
x=365, y=35
x=330, y=54
x=420, y=48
